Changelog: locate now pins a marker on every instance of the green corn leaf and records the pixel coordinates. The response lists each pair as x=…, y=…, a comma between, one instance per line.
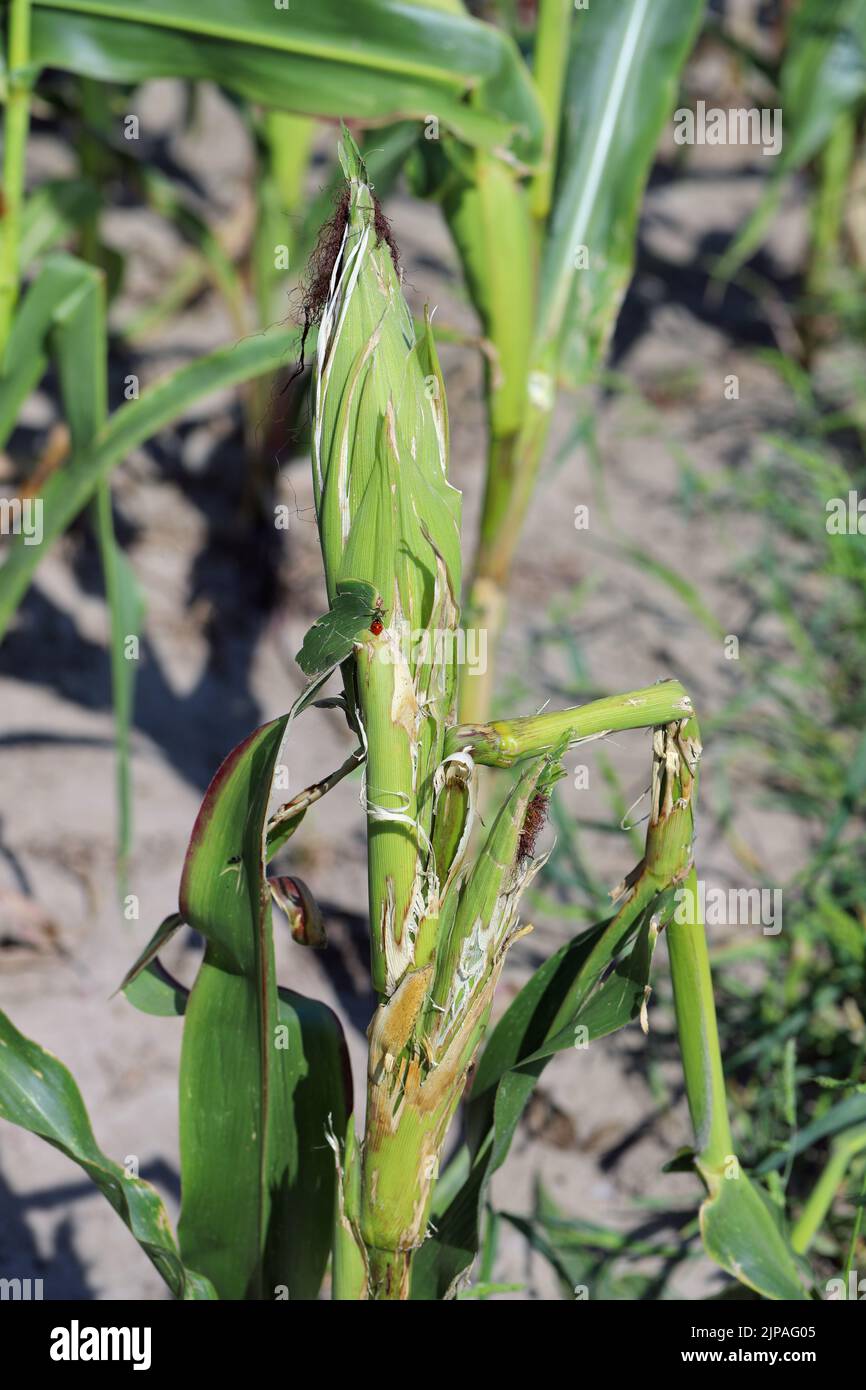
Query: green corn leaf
x=52, y=296
x=161, y=937
x=317, y=1101
x=741, y=1232
x=484, y=1291
x=844, y=1115
x=330, y=639
x=68, y=491
x=823, y=77
x=678, y=584
x=63, y=318
x=54, y=211
x=566, y=993
x=378, y=61
x=39, y=1094
x=155, y=991
x=257, y=1176
x=620, y=87
x=147, y=984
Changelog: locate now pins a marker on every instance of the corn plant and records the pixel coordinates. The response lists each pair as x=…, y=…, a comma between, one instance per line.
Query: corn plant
x=819, y=85
x=276, y=1183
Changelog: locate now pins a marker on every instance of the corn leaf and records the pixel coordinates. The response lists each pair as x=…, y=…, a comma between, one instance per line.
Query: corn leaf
x=620, y=86
x=742, y=1232
x=40, y=1095
x=57, y=288
x=377, y=61
x=63, y=318
x=844, y=1115
x=53, y=212
x=155, y=991
x=147, y=984
x=823, y=76
x=68, y=491
x=80, y=345
x=161, y=937
x=318, y=1088
x=258, y=1179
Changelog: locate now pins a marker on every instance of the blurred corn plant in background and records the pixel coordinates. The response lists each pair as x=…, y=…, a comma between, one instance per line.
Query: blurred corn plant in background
x=816, y=76
x=564, y=234
x=275, y=1180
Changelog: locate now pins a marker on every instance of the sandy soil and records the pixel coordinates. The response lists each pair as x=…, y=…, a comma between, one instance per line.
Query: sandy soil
x=228, y=607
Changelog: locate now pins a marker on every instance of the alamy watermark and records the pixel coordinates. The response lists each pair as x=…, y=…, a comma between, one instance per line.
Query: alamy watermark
x=846, y=516
x=720, y=907
x=735, y=126
x=465, y=647
x=77, y=1343
x=21, y=1290
x=22, y=517
x=854, y=1289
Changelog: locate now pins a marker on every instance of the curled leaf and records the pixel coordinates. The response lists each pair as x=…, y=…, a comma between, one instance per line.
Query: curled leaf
x=294, y=899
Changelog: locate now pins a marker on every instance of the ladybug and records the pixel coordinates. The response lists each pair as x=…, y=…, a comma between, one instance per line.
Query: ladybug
x=377, y=625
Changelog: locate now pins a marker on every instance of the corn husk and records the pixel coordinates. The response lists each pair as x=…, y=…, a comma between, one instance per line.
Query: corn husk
x=389, y=517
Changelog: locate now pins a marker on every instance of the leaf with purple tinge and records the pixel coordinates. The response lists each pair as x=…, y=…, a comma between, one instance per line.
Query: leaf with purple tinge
x=263, y=1072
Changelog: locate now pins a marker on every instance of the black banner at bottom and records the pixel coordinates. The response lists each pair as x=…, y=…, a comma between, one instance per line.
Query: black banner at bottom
x=81, y=1339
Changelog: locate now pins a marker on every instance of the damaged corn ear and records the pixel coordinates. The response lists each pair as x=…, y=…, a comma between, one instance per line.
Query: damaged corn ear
x=380, y=427
x=388, y=517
